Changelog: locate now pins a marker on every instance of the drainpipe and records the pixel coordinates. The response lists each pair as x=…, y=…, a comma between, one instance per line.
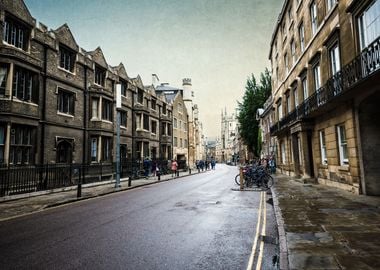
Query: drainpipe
x=43, y=117
x=85, y=117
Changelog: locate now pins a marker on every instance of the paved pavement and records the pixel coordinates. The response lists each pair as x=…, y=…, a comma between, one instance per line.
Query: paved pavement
x=320, y=227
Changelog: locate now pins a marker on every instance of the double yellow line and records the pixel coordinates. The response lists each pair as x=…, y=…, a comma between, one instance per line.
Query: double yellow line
x=262, y=212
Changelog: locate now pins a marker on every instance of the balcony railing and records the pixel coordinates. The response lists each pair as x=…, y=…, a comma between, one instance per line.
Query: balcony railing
x=365, y=64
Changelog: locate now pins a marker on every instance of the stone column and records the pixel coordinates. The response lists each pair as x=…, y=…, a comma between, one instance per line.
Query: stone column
x=296, y=157
x=7, y=143
x=306, y=154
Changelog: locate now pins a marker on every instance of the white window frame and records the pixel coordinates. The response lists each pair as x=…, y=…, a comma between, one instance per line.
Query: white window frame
x=317, y=76
x=330, y=4
x=295, y=95
x=369, y=24
x=334, y=59
x=314, y=17
x=305, y=88
x=301, y=32
x=322, y=143
x=279, y=110
x=342, y=145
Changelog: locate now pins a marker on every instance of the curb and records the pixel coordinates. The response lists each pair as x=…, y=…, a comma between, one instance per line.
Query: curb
x=284, y=260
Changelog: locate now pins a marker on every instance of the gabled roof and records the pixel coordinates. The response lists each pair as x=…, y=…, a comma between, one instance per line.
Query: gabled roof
x=18, y=9
x=98, y=57
x=166, y=87
x=138, y=82
x=120, y=70
x=65, y=36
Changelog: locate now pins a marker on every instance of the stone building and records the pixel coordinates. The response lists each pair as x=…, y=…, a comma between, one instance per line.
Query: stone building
x=325, y=62
x=265, y=118
x=180, y=122
x=57, y=101
x=228, y=135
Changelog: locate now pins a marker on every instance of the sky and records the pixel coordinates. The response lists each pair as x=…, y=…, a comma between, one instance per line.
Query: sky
x=216, y=43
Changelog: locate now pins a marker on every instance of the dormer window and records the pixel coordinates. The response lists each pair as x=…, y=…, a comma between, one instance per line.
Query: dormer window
x=100, y=75
x=124, y=88
x=16, y=33
x=67, y=58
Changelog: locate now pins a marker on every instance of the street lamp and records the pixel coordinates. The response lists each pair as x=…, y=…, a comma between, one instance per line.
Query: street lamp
x=118, y=106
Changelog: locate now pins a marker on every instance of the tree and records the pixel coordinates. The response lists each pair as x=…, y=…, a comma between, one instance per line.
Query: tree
x=254, y=98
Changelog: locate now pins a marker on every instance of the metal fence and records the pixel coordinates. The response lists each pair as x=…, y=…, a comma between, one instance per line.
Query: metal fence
x=26, y=179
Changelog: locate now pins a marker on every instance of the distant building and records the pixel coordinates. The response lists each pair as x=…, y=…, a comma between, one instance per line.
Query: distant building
x=228, y=135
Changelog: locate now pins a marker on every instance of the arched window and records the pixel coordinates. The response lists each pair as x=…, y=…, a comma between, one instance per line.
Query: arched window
x=64, y=151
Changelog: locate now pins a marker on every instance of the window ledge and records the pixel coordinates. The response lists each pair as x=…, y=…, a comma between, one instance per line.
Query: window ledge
x=25, y=102
x=66, y=70
x=344, y=168
x=65, y=114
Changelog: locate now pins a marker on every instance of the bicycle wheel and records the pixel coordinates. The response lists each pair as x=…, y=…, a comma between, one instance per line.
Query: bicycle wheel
x=237, y=180
x=267, y=181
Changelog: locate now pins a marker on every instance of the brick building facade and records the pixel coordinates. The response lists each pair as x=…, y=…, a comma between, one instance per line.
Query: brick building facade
x=325, y=62
x=57, y=101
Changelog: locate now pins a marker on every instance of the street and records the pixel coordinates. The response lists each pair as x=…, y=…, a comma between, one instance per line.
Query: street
x=195, y=222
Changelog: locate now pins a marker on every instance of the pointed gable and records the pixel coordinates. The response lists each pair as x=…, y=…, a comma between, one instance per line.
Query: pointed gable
x=138, y=82
x=18, y=9
x=65, y=36
x=120, y=69
x=98, y=57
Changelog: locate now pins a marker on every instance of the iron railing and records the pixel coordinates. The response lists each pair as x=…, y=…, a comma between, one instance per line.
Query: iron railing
x=33, y=178
x=361, y=67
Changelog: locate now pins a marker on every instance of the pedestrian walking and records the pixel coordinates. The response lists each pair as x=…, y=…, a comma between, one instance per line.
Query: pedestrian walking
x=174, y=167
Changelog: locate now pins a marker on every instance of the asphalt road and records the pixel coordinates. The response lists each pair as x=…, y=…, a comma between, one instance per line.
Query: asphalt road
x=196, y=222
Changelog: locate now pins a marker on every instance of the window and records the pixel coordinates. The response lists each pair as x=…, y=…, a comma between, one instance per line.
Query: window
x=169, y=129
x=146, y=122
x=288, y=106
x=15, y=34
x=100, y=75
x=180, y=124
x=175, y=143
x=95, y=108
x=21, y=150
x=67, y=58
x=301, y=33
x=140, y=96
x=330, y=4
x=123, y=119
x=146, y=149
x=342, y=145
x=305, y=88
x=175, y=122
x=335, y=67
x=64, y=151
x=94, y=149
x=185, y=145
x=313, y=17
x=138, y=121
x=2, y=143
x=164, y=109
x=334, y=59
x=322, y=143
x=293, y=51
x=153, y=125
x=283, y=153
x=4, y=70
x=164, y=129
x=107, y=110
x=153, y=104
x=279, y=109
x=286, y=62
x=180, y=142
x=295, y=95
x=65, y=102
x=25, y=85
x=317, y=76
x=124, y=88
x=369, y=24
x=107, y=148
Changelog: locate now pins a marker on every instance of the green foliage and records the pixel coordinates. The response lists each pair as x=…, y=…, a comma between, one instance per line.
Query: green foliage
x=254, y=98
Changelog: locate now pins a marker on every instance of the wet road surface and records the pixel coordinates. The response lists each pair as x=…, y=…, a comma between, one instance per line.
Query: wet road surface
x=197, y=222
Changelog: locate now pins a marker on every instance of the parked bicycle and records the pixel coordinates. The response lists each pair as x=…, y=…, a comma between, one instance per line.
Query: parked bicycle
x=255, y=176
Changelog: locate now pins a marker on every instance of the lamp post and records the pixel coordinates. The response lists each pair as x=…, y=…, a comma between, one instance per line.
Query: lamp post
x=118, y=106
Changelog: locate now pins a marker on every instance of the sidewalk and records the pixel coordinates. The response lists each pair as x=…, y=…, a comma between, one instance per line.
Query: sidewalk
x=322, y=227
x=15, y=206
